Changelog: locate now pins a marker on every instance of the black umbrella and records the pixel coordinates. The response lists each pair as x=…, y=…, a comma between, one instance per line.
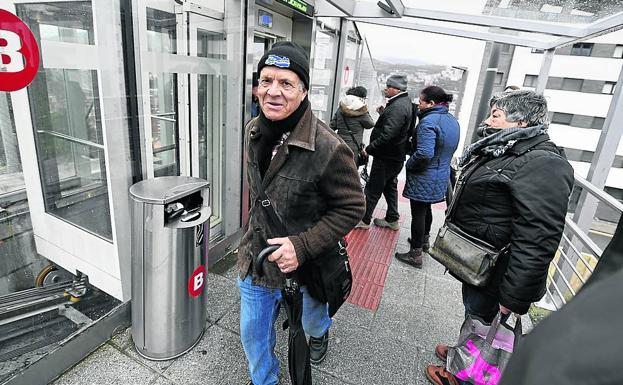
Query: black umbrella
x=298, y=351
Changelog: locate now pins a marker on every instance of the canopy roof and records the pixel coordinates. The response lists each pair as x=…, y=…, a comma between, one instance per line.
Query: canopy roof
x=540, y=24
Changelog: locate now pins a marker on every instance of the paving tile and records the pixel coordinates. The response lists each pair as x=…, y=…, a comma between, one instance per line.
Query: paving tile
x=222, y=295
x=218, y=359
x=107, y=365
x=123, y=340
x=162, y=381
x=354, y=315
x=360, y=356
x=226, y=267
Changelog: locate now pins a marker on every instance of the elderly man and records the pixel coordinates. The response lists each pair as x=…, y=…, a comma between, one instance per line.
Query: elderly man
x=388, y=146
x=310, y=177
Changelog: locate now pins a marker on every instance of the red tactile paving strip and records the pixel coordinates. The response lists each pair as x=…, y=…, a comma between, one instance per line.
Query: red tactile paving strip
x=370, y=254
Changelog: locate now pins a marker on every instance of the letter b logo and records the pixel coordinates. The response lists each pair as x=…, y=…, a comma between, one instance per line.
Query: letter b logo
x=197, y=281
x=19, y=53
x=12, y=59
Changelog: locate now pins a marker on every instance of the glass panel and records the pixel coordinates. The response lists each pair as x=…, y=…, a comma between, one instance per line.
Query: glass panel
x=164, y=123
x=211, y=99
x=67, y=123
x=10, y=165
x=323, y=74
x=211, y=45
x=68, y=22
x=212, y=94
x=161, y=35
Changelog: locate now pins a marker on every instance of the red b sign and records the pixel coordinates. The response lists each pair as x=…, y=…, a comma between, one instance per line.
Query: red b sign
x=19, y=53
x=197, y=281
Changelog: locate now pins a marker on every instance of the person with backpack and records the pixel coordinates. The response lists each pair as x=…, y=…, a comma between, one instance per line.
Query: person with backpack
x=388, y=145
x=352, y=118
x=428, y=168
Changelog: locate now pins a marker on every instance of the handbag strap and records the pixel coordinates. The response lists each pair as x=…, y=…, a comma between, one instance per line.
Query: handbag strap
x=349, y=131
x=500, y=319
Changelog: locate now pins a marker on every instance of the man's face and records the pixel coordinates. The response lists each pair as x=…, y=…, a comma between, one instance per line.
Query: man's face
x=391, y=91
x=280, y=92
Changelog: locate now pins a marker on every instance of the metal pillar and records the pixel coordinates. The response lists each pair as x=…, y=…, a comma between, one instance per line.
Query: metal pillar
x=339, y=65
x=487, y=88
x=546, y=65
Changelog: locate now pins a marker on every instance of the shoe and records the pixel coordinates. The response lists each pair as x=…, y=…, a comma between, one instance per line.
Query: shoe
x=438, y=375
x=383, y=223
x=363, y=225
x=441, y=351
x=412, y=257
x=318, y=348
x=425, y=243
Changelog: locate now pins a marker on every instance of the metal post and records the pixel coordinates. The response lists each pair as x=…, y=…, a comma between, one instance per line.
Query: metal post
x=487, y=88
x=339, y=65
x=546, y=65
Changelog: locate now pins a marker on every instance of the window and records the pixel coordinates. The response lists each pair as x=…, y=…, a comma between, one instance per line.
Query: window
x=498, y=78
x=562, y=118
x=570, y=84
x=530, y=80
x=582, y=49
x=598, y=123
x=618, y=52
x=609, y=88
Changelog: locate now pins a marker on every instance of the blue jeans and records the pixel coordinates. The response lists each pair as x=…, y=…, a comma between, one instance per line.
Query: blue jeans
x=259, y=308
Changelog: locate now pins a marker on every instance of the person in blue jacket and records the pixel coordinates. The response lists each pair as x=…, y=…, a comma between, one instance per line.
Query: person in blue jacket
x=428, y=167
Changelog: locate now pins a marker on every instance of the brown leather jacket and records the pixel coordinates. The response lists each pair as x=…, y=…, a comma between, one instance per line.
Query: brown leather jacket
x=313, y=184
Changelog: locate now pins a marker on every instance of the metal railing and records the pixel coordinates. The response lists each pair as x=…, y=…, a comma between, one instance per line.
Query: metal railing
x=577, y=253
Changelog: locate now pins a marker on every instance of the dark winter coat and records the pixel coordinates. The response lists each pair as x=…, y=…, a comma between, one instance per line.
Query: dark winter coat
x=428, y=168
x=358, y=120
x=314, y=187
x=581, y=343
x=518, y=198
x=388, y=140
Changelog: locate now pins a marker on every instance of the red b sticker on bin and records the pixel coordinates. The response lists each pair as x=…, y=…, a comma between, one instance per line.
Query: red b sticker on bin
x=19, y=53
x=197, y=281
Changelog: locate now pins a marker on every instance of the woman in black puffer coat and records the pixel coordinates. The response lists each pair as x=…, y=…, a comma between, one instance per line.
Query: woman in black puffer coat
x=516, y=193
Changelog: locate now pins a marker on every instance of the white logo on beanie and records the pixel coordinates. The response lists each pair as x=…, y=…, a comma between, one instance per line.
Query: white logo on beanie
x=278, y=61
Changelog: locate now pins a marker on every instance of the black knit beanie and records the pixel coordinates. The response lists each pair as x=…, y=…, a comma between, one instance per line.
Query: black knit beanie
x=287, y=55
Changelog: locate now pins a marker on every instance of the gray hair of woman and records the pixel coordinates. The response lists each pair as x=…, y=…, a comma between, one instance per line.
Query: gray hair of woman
x=522, y=106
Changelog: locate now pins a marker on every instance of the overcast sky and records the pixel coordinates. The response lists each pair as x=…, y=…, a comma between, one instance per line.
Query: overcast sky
x=414, y=47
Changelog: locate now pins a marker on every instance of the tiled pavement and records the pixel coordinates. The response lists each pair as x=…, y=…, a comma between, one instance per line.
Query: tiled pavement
x=391, y=345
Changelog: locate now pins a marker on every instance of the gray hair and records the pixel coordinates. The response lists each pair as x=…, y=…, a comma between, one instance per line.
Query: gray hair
x=522, y=106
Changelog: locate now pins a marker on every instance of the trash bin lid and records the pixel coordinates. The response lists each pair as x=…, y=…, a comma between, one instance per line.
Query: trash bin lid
x=166, y=189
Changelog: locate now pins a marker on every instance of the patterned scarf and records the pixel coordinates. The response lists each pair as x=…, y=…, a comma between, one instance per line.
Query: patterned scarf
x=497, y=144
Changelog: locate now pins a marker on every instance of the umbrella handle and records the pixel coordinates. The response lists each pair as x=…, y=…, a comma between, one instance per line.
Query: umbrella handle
x=258, y=266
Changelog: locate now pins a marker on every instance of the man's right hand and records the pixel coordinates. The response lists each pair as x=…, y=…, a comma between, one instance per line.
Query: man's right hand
x=380, y=109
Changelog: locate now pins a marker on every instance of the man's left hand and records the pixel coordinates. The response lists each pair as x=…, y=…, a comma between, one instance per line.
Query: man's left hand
x=504, y=310
x=284, y=256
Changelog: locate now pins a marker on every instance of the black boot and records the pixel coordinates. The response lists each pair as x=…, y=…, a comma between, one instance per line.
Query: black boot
x=318, y=348
x=426, y=243
x=412, y=257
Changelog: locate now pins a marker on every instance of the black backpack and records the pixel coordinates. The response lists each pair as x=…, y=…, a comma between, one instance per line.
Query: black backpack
x=411, y=132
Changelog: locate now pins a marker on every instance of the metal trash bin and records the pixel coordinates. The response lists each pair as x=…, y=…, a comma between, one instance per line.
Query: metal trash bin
x=169, y=264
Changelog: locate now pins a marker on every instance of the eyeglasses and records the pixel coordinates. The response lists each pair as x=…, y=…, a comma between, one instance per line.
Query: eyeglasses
x=283, y=85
